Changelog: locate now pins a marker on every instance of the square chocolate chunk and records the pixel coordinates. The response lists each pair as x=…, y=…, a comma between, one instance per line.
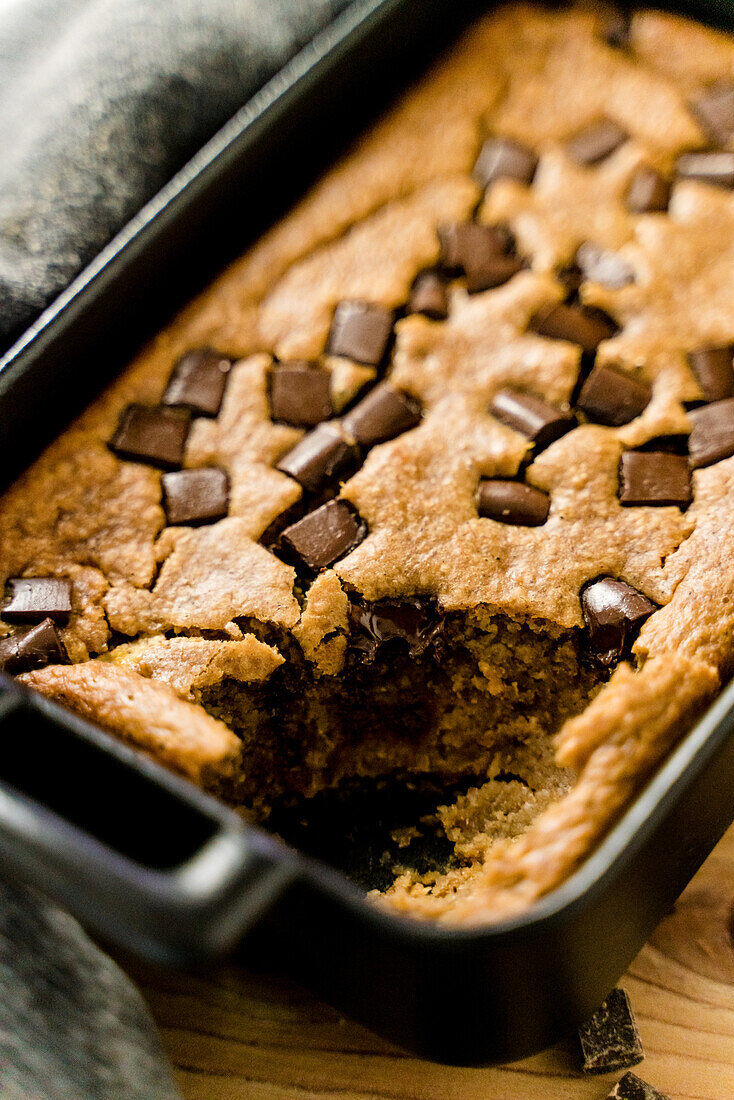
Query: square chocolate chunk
x=198, y=382
x=577, y=324
x=324, y=536
x=155, y=435
x=596, y=142
x=611, y=397
x=654, y=477
x=360, y=331
x=36, y=598
x=712, y=433
x=193, y=497
x=535, y=418
x=300, y=394
x=320, y=459
x=384, y=413
x=33, y=648
x=648, y=192
x=610, y=1039
x=503, y=158
x=714, y=371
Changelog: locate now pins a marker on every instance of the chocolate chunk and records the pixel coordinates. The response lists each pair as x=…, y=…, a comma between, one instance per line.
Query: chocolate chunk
x=571, y=276
x=714, y=110
x=654, y=477
x=503, y=158
x=530, y=415
x=320, y=458
x=603, y=266
x=609, y=1039
x=323, y=536
x=596, y=142
x=410, y=623
x=616, y=29
x=384, y=413
x=712, y=433
x=609, y=396
x=198, y=382
x=577, y=324
x=614, y=611
x=480, y=251
x=631, y=1087
x=429, y=296
x=512, y=502
x=648, y=192
x=714, y=371
x=360, y=331
x=716, y=168
x=30, y=649
x=193, y=497
x=300, y=394
x=155, y=435
x=35, y=598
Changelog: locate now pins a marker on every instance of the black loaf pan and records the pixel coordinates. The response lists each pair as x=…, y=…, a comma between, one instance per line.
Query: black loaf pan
x=149, y=862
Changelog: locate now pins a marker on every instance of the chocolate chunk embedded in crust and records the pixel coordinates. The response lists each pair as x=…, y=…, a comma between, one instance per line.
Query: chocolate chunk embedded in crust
x=512, y=502
x=360, y=331
x=30, y=649
x=648, y=192
x=324, y=536
x=429, y=296
x=609, y=1039
x=600, y=265
x=714, y=371
x=712, y=433
x=155, y=435
x=654, y=477
x=300, y=394
x=714, y=110
x=613, y=611
x=715, y=168
x=193, y=497
x=596, y=142
x=320, y=459
x=480, y=251
x=577, y=324
x=632, y=1087
x=537, y=419
x=35, y=598
x=411, y=622
x=384, y=413
x=611, y=397
x=503, y=158
x=198, y=382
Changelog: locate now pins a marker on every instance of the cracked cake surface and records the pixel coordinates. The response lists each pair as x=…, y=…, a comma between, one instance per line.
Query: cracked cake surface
x=436, y=483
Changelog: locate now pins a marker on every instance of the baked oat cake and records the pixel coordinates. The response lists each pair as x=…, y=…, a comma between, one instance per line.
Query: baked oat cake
x=434, y=486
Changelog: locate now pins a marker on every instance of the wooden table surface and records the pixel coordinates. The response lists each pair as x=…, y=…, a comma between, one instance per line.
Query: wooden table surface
x=232, y=1036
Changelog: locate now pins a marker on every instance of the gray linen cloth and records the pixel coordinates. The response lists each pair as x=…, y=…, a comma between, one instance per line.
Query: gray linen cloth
x=101, y=101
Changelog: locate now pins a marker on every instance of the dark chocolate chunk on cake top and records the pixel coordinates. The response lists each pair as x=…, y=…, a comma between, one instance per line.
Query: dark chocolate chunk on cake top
x=512, y=502
x=654, y=477
x=503, y=158
x=613, y=611
x=300, y=394
x=360, y=331
x=156, y=435
x=31, y=649
x=712, y=433
x=384, y=413
x=612, y=397
x=535, y=418
x=596, y=142
x=198, y=382
x=35, y=598
x=429, y=296
x=193, y=497
x=713, y=368
x=648, y=192
x=324, y=536
x=577, y=324
x=321, y=458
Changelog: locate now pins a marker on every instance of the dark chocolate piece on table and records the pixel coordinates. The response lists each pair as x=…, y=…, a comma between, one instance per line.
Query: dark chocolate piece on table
x=512, y=502
x=632, y=1087
x=611, y=397
x=648, y=192
x=714, y=371
x=35, y=598
x=654, y=477
x=570, y=276
x=715, y=168
x=613, y=611
x=360, y=331
x=300, y=394
x=409, y=623
x=532, y=416
x=324, y=536
x=320, y=458
x=34, y=648
x=155, y=435
x=429, y=295
x=596, y=142
x=712, y=433
x=714, y=111
x=578, y=324
x=503, y=158
x=193, y=497
x=481, y=252
x=198, y=382
x=600, y=265
x=609, y=1039
x=384, y=413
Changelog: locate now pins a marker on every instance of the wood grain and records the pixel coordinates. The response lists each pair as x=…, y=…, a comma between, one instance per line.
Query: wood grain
x=232, y=1035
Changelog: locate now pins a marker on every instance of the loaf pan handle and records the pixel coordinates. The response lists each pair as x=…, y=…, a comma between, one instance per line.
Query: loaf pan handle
x=143, y=858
